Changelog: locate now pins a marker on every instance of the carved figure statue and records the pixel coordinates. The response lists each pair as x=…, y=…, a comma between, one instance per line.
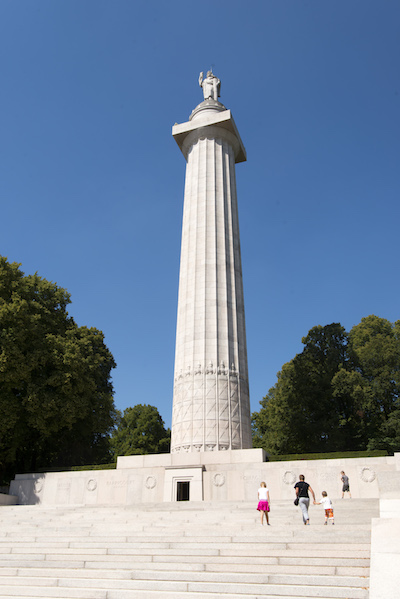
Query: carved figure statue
x=211, y=85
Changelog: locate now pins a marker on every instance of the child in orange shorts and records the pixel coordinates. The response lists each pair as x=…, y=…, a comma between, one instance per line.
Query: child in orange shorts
x=327, y=503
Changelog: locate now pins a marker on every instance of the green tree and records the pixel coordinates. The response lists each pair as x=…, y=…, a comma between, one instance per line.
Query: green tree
x=275, y=426
x=374, y=346
x=140, y=430
x=56, y=403
x=300, y=413
x=340, y=393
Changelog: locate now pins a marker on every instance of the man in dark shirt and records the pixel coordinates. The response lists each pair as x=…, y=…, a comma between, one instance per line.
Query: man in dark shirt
x=302, y=488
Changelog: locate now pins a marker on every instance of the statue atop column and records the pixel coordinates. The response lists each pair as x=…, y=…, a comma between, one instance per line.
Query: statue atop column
x=211, y=86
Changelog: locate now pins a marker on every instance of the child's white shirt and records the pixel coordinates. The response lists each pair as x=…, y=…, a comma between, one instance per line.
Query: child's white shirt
x=326, y=502
x=263, y=494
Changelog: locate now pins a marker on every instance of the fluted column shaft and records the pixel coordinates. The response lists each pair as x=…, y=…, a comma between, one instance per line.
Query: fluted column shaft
x=211, y=392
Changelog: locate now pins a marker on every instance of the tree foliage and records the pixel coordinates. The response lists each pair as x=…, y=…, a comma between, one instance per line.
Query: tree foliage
x=340, y=393
x=374, y=346
x=56, y=403
x=140, y=430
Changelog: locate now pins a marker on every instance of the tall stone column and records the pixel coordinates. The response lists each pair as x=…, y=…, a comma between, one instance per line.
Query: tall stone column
x=211, y=409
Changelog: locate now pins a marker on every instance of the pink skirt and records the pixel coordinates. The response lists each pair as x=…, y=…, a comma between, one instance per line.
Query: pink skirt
x=263, y=506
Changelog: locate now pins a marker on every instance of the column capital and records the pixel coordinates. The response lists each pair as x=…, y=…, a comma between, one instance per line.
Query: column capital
x=209, y=123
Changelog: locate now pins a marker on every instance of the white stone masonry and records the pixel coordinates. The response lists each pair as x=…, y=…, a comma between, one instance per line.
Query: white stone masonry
x=211, y=408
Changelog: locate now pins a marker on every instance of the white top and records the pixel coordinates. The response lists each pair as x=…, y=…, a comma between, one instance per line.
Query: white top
x=263, y=494
x=326, y=502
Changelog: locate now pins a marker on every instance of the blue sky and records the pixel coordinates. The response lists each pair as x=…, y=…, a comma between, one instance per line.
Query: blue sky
x=91, y=180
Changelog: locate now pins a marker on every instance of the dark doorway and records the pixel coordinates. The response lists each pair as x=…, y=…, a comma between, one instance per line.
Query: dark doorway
x=182, y=491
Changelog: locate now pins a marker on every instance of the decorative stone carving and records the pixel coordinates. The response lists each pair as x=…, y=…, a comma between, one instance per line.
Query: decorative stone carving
x=150, y=482
x=211, y=86
x=222, y=369
x=289, y=477
x=233, y=371
x=197, y=447
x=210, y=368
x=210, y=447
x=186, y=448
x=63, y=485
x=117, y=484
x=198, y=369
x=91, y=484
x=367, y=474
x=218, y=479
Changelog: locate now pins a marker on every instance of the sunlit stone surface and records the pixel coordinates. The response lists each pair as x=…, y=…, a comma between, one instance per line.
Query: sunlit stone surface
x=211, y=410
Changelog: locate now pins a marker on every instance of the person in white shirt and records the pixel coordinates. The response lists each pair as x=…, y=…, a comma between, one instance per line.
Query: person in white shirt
x=327, y=503
x=263, y=502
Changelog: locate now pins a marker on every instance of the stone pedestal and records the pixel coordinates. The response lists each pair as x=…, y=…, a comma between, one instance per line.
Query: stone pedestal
x=211, y=410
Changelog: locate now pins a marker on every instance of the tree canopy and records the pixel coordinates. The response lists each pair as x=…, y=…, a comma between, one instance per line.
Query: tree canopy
x=140, y=430
x=56, y=395
x=341, y=393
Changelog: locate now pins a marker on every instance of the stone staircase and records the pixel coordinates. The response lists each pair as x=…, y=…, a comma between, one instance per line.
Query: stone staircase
x=185, y=550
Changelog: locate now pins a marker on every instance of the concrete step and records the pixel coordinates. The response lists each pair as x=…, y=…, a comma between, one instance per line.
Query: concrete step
x=183, y=507
x=205, y=576
x=294, y=565
x=223, y=566
x=148, y=594
x=197, y=590
x=183, y=552
x=225, y=550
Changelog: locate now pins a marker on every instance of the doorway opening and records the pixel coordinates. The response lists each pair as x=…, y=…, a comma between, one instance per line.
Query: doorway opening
x=182, y=490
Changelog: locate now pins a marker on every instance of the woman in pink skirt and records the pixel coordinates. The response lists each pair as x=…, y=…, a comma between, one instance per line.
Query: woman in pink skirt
x=263, y=502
